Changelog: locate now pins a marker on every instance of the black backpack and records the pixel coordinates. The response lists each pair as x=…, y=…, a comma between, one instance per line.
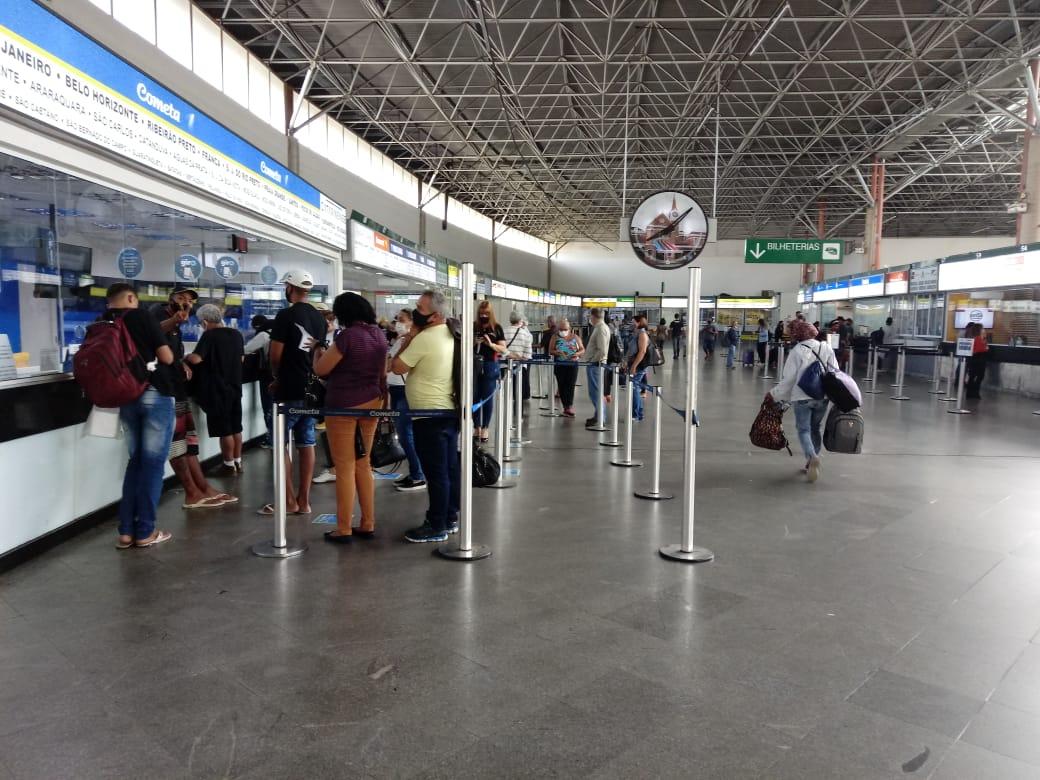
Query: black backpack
x=877, y=337
x=614, y=354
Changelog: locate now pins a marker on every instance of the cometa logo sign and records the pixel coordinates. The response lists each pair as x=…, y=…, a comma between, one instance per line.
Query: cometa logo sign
x=154, y=101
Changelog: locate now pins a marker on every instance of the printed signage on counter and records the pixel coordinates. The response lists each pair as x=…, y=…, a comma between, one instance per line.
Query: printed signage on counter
x=897, y=283
x=187, y=268
x=993, y=268
x=227, y=267
x=269, y=274
x=130, y=263
x=924, y=279
x=867, y=286
x=965, y=347
x=962, y=318
x=59, y=77
x=379, y=251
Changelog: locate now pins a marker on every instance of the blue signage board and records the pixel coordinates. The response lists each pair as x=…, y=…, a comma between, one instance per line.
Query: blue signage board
x=187, y=268
x=59, y=77
x=130, y=263
x=227, y=267
x=269, y=274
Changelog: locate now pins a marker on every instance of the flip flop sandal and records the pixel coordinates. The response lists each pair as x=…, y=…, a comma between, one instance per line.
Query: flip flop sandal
x=225, y=498
x=205, y=503
x=267, y=510
x=159, y=538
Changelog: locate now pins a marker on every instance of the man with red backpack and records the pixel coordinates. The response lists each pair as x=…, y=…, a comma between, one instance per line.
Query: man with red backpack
x=147, y=420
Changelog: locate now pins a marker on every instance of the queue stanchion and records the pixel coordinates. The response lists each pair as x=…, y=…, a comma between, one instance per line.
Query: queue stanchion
x=848, y=363
x=508, y=456
x=552, y=411
x=936, y=375
x=950, y=398
x=765, y=366
x=875, y=388
x=781, y=357
x=686, y=551
x=518, y=439
x=654, y=493
x=502, y=414
x=959, y=409
x=536, y=376
x=871, y=359
x=615, y=395
x=626, y=461
x=278, y=546
x=900, y=375
x=601, y=414
x=463, y=548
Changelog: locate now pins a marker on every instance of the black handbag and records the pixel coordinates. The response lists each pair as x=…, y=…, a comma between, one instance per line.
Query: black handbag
x=314, y=394
x=386, y=449
x=486, y=470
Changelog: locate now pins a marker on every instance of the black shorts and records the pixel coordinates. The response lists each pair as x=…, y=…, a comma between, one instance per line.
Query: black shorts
x=224, y=418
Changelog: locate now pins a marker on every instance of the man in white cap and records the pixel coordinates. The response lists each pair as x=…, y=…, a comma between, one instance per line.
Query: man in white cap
x=296, y=330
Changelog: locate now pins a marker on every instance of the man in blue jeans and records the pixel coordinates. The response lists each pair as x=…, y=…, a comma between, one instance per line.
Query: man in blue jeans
x=147, y=422
x=415, y=479
x=596, y=355
x=637, y=350
x=427, y=356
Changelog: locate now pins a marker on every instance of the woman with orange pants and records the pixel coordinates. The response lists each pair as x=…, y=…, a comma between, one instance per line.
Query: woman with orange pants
x=355, y=367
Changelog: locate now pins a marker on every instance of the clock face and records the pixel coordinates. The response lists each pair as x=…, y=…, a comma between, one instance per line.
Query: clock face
x=668, y=230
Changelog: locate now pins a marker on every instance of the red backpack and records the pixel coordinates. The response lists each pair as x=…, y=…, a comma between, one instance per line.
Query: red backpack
x=107, y=365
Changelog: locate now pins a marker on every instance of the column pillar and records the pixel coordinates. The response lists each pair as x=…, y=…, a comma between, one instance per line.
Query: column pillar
x=875, y=215
x=1028, y=222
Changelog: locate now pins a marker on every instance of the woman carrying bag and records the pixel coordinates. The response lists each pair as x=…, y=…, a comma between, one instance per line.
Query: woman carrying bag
x=355, y=367
x=567, y=349
x=490, y=346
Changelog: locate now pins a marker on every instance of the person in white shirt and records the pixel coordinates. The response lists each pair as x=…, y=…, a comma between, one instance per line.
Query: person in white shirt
x=261, y=344
x=808, y=412
x=415, y=479
x=596, y=352
x=520, y=346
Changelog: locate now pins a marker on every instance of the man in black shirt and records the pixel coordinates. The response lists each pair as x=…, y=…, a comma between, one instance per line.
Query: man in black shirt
x=296, y=330
x=147, y=422
x=676, y=329
x=184, y=448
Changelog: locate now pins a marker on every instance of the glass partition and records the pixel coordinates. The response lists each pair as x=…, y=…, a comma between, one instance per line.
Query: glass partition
x=1010, y=315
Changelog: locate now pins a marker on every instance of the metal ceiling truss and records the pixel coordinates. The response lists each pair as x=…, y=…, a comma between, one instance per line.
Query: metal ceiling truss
x=524, y=109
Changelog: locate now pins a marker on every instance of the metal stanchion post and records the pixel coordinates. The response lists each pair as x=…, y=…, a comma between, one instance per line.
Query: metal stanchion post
x=874, y=388
x=781, y=357
x=502, y=415
x=686, y=551
x=936, y=375
x=536, y=376
x=601, y=420
x=654, y=493
x=518, y=439
x=464, y=549
x=508, y=456
x=278, y=546
x=765, y=367
x=960, y=391
x=900, y=375
x=615, y=395
x=871, y=358
x=552, y=412
x=950, y=397
x=626, y=461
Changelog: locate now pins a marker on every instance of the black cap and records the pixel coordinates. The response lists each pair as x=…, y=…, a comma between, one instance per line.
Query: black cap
x=180, y=288
x=259, y=322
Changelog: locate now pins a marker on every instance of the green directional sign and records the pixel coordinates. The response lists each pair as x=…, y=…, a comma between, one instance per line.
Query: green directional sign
x=799, y=251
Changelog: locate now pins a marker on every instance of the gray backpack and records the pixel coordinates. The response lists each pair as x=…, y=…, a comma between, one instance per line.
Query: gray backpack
x=843, y=431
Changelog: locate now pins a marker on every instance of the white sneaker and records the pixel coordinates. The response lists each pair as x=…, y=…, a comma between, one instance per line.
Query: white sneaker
x=326, y=476
x=813, y=472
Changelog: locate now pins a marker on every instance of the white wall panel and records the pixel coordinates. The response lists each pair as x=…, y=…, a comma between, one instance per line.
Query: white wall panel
x=206, y=49
x=173, y=29
x=236, y=70
x=137, y=15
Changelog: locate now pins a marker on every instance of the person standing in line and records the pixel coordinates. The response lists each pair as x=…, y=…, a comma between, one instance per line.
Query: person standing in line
x=355, y=365
x=567, y=349
x=328, y=473
x=976, y=364
x=519, y=346
x=427, y=357
x=147, y=422
x=676, y=328
x=297, y=329
x=490, y=346
x=808, y=412
x=635, y=362
x=414, y=479
x=184, y=445
x=596, y=354
x=547, y=334
x=778, y=333
x=217, y=362
x=732, y=344
x=661, y=335
x=708, y=335
x=763, y=340
x=260, y=345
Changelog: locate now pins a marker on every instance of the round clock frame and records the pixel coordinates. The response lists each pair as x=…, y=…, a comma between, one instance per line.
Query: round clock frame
x=673, y=237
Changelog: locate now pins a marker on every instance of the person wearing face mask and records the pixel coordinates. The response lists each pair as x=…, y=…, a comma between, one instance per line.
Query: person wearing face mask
x=567, y=349
x=415, y=479
x=490, y=345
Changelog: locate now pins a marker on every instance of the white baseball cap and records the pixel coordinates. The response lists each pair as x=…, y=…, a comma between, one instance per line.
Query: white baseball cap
x=299, y=278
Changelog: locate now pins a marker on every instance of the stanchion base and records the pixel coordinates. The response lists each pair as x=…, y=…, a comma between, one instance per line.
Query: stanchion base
x=502, y=484
x=268, y=550
x=1037, y=411
x=899, y=397
x=649, y=495
x=675, y=552
x=767, y=376
x=936, y=392
x=627, y=464
x=872, y=392
x=597, y=428
x=478, y=553
x=519, y=442
x=959, y=411
x=610, y=444
x=551, y=414
x=867, y=381
x=512, y=458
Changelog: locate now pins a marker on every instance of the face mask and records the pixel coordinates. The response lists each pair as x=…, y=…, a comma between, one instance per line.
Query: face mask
x=484, y=318
x=288, y=293
x=564, y=333
x=401, y=328
x=420, y=319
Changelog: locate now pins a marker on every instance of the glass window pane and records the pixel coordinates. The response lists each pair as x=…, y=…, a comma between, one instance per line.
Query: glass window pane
x=173, y=29
x=205, y=48
x=138, y=15
x=236, y=71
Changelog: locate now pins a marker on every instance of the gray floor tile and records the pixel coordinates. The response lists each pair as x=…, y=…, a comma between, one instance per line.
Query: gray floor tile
x=916, y=702
x=976, y=676
x=968, y=762
x=1009, y=732
x=1021, y=687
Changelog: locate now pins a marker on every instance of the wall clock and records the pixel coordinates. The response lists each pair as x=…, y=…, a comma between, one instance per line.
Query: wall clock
x=668, y=230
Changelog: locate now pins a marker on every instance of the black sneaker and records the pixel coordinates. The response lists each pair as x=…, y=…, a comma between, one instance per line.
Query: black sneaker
x=407, y=485
x=425, y=533
x=453, y=527
x=401, y=479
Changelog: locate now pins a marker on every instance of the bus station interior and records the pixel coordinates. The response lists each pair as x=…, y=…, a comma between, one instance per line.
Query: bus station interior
x=882, y=622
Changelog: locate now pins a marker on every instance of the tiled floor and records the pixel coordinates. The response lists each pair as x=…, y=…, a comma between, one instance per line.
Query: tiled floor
x=881, y=623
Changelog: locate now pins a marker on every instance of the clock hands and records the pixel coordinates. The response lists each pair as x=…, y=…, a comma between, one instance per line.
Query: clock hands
x=671, y=226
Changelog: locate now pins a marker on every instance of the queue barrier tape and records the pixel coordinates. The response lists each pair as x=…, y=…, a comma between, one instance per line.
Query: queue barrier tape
x=657, y=391
x=379, y=413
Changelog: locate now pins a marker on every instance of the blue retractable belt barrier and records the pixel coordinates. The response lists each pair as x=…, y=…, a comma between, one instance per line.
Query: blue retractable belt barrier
x=378, y=413
x=657, y=391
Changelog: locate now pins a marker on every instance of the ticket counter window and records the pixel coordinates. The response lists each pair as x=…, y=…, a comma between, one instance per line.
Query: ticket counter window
x=1010, y=316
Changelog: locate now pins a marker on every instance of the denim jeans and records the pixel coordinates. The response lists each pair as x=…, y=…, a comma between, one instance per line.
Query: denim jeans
x=148, y=427
x=483, y=387
x=637, y=394
x=808, y=419
x=266, y=404
x=595, y=391
x=403, y=424
x=437, y=442
x=676, y=343
x=731, y=355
